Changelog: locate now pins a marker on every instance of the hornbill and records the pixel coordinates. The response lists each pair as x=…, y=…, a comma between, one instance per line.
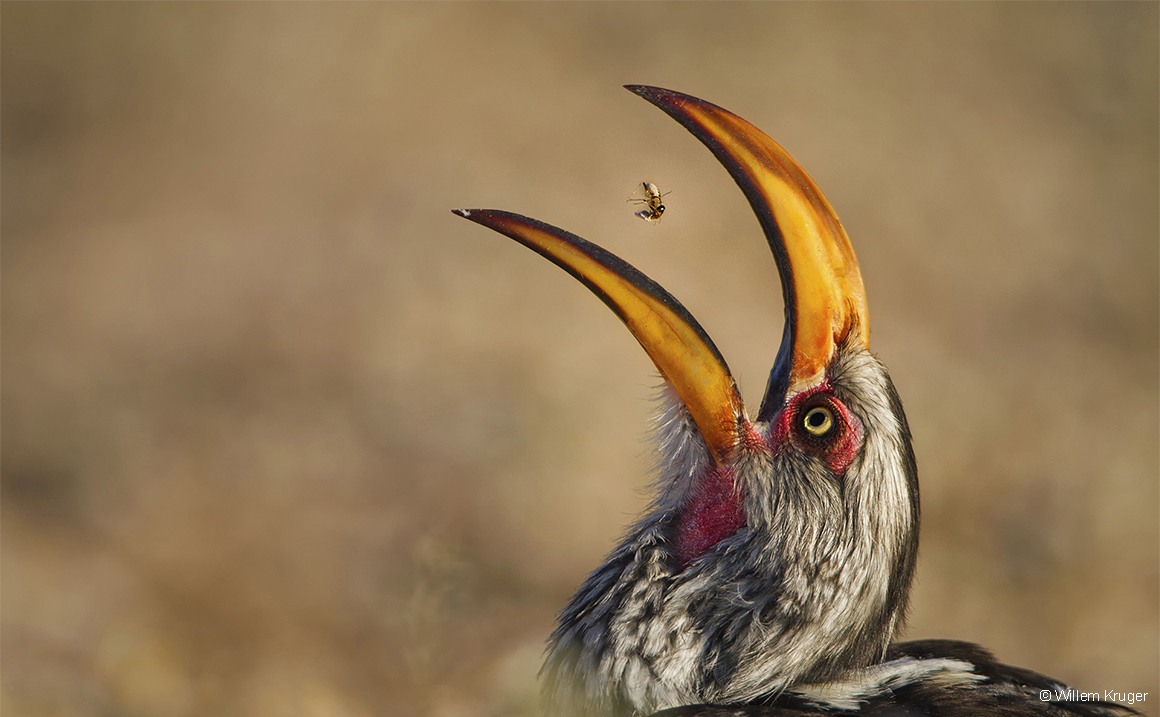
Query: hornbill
x=773, y=568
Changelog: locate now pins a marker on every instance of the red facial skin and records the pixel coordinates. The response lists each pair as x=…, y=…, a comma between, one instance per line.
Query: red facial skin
x=836, y=451
x=714, y=512
x=716, y=509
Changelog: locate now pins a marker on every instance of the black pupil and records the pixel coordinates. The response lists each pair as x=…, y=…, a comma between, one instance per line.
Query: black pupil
x=816, y=418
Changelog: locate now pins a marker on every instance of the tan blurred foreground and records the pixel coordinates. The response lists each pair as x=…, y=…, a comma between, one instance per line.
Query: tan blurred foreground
x=282, y=436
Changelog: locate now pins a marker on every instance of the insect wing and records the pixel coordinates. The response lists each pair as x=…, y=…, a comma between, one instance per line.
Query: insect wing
x=648, y=215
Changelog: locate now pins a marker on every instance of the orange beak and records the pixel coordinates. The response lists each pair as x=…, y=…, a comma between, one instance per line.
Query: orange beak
x=825, y=301
x=676, y=343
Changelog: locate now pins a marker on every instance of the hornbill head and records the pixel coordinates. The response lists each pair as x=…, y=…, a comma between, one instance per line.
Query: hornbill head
x=780, y=548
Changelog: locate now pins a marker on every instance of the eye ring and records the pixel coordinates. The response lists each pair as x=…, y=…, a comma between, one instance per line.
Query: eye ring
x=818, y=421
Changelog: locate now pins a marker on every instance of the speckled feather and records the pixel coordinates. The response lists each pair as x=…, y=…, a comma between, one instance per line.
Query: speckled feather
x=812, y=586
x=934, y=678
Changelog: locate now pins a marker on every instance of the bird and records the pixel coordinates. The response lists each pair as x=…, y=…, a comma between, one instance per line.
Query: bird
x=772, y=570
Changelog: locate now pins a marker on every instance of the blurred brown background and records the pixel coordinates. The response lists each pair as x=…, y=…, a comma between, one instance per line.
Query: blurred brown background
x=282, y=436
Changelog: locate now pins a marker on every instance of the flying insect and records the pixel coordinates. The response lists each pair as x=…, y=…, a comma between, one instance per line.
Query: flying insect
x=653, y=208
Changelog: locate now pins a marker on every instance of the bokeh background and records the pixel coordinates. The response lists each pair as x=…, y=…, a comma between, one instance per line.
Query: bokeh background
x=283, y=436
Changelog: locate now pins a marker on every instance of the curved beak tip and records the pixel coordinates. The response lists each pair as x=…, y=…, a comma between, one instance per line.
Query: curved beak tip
x=654, y=93
x=640, y=89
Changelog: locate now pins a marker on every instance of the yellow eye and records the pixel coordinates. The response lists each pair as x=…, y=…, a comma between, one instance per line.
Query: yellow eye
x=818, y=421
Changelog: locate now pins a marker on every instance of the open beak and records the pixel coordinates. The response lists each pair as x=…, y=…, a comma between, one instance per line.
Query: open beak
x=825, y=303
